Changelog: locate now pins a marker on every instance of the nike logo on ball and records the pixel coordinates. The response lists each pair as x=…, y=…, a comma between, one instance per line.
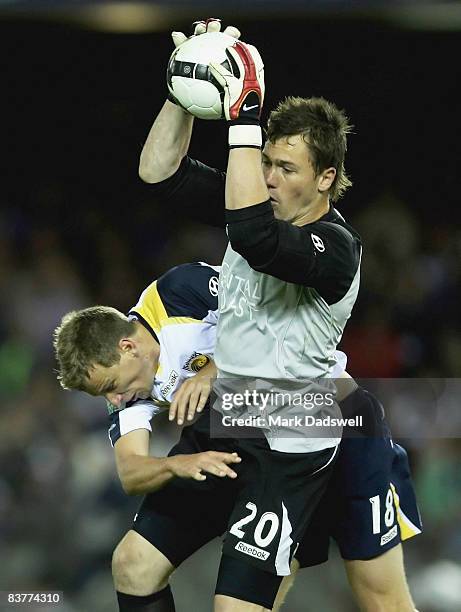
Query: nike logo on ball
x=247, y=108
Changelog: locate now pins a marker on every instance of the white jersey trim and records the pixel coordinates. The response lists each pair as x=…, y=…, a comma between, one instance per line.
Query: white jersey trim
x=282, y=558
x=137, y=416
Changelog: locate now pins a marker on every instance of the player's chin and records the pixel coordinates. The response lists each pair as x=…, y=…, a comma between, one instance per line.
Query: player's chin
x=276, y=209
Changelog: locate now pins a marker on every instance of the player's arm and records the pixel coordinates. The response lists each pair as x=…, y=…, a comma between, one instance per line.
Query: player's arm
x=169, y=137
x=167, y=143
x=321, y=255
x=243, y=99
x=193, y=394
x=245, y=184
x=140, y=473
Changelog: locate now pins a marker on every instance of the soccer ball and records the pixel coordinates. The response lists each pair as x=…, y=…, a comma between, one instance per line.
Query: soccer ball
x=189, y=78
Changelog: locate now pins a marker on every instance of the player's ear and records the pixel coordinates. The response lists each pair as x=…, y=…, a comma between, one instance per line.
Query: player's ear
x=326, y=179
x=127, y=345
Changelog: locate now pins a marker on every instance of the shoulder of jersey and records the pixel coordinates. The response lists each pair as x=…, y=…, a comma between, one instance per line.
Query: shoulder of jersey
x=187, y=291
x=339, y=226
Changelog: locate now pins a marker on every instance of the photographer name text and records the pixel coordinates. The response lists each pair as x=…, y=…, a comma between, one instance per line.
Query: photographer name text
x=307, y=420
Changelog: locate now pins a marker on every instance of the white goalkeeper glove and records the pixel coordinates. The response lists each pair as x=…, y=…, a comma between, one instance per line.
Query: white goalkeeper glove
x=243, y=93
x=200, y=27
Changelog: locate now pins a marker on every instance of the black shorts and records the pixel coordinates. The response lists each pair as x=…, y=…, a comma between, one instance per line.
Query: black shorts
x=370, y=504
x=263, y=512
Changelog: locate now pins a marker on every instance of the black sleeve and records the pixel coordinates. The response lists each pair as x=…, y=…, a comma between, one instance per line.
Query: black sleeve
x=189, y=290
x=323, y=255
x=195, y=190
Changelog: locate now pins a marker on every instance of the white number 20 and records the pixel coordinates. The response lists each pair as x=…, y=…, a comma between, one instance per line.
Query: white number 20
x=267, y=517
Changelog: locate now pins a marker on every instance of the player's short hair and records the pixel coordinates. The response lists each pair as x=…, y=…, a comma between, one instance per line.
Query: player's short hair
x=324, y=128
x=86, y=338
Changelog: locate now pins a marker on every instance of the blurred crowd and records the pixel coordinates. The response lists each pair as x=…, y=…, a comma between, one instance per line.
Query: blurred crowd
x=62, y=509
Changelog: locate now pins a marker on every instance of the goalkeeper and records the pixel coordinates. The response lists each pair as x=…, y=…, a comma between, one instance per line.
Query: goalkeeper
x=292, y=268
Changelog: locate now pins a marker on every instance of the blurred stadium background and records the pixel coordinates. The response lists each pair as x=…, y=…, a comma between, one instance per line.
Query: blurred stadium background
x=82, y=83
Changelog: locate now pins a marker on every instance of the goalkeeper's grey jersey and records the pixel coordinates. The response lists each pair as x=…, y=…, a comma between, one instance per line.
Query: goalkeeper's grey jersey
x=268, y=328
x=271, y=328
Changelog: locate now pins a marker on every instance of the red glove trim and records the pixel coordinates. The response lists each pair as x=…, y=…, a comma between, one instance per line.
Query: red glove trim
x=250, y=81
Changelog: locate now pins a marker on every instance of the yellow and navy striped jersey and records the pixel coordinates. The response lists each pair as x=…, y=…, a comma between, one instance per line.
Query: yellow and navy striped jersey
x=180, y=311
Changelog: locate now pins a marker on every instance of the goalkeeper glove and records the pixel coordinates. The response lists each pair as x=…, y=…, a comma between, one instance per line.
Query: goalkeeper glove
x=243, y=94
x=200, y=27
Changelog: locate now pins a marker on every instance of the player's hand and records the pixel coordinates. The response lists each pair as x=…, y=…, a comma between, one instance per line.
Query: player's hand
x=212, y=462
x=192, y=395
x=200, y=27
x=243, y=92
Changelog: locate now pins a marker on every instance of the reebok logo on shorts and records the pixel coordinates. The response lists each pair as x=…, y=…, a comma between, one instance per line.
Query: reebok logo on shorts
x=390, y=535
x=252, y=551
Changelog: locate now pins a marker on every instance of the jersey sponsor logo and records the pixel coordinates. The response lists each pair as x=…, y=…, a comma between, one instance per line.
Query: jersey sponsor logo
x=390, y=535
x=252, y=551
x=318, y=243
x=213, y=286
x=168, y=386
x=238, y=294
x=196, y=362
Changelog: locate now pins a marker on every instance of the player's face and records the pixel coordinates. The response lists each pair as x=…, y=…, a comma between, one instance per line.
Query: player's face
x=290, y=178
x=129, y=379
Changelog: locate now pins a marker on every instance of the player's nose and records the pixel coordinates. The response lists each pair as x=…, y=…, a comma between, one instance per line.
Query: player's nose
x=271, y=178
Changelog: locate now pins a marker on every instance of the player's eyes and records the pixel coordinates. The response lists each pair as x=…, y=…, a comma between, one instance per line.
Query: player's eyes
x=112, y=388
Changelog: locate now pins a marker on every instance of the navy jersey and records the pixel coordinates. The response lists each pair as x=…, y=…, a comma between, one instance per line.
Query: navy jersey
x=180, y=311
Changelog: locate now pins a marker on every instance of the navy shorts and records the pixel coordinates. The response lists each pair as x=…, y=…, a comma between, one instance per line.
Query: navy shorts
x=370, y=504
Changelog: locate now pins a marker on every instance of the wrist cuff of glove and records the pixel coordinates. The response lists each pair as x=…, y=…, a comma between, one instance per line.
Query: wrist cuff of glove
x=244, y=135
